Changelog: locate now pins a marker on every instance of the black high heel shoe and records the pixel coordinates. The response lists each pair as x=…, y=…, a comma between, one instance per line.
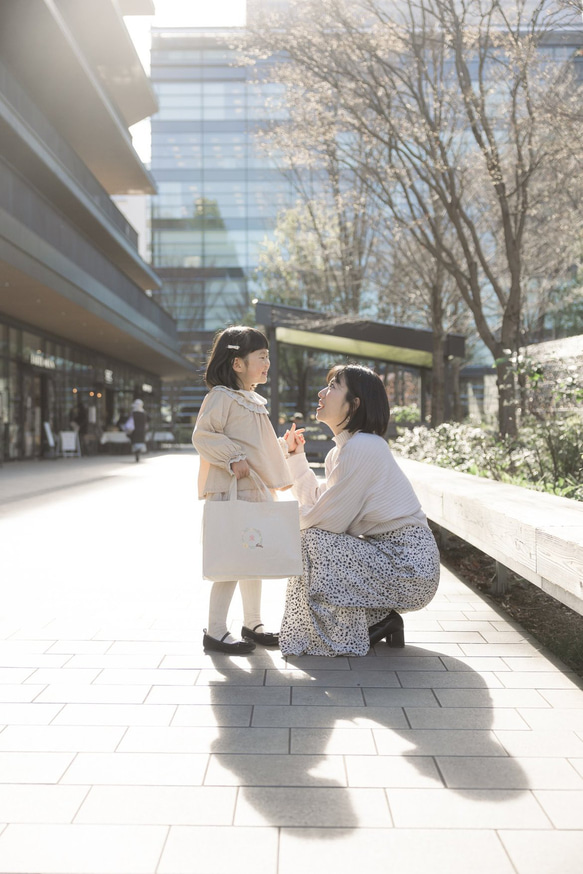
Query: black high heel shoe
x=390, y=628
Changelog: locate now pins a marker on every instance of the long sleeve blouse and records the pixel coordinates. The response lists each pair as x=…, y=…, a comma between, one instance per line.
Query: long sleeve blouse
x=231, y=426
x=365, y=491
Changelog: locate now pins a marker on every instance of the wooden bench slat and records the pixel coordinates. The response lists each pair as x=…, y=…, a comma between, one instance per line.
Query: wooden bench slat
x=537, y=535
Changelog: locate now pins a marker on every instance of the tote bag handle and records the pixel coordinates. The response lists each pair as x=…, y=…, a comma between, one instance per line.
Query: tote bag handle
x=258, y=482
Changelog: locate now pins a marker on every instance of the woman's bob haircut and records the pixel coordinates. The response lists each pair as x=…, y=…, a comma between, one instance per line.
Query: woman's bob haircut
x=237, y=341
x=367, y=398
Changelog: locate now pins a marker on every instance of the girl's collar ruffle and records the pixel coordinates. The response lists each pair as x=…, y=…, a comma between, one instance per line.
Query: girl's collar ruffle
x=250, y=400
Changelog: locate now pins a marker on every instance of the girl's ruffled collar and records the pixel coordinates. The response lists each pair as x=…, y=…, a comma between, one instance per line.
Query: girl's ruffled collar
x=250, y=400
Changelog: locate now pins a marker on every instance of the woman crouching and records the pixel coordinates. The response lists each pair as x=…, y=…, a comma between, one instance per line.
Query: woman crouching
x=368, y=553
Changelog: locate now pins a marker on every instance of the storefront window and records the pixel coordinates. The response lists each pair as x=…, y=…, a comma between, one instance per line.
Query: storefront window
x=13, y=342
x=14, y=411
x=31, y=345
x=43, y=381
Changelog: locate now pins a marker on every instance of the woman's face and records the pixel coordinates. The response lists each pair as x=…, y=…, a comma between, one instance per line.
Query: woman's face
x=333, y=408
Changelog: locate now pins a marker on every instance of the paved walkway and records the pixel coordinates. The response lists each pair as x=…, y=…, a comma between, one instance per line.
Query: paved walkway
x=124, y=749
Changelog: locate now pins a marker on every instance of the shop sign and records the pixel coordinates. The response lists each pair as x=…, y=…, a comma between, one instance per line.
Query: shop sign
x=108, y=376
x=40, y=360
x=147, y=387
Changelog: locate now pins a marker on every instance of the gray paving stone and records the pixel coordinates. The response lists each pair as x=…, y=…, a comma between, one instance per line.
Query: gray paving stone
x=481, y=772
x=232, y=677
x=153, y=677
x=71, y=849
x=250, y=770
x=116, y=662
x=219, y=714
x=314, y=807
x=191, y=850
x=33, y=767
x=464, y=717
x=33, y=660
x=88, y=694
x=311, y=663
x=334, y=741
x=219, y=694
x=139, y=769
x=420, y=742
x=80, y=647
x=332, y=697
x=201, y=740
x=314, y=716
x=114, y=714
x=556, y=744
x=536, y=852
x=57, y=738
x=498, y=698
x=28, y=714
x=563, y=808
x=70, y=676
x=393, y=771
x=549, y=720
x=158, y=805
x=563, y=698
x=40, y=803
x=470, y=808
x=416, y=851
x=475, y=663
x=329, y=679
x=17, y=675
x=450, y=680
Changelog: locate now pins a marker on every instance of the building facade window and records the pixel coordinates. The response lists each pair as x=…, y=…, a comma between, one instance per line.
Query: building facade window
x=218, y=196
x=45, y=381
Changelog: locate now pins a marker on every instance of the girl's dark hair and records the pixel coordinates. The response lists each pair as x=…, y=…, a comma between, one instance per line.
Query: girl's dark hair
x=237, y=341
x=372, y=414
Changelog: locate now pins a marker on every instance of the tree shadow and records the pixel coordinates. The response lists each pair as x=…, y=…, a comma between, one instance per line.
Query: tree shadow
x=320, y=728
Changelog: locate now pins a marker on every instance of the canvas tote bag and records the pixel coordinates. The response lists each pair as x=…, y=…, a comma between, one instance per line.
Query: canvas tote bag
x=242, y=540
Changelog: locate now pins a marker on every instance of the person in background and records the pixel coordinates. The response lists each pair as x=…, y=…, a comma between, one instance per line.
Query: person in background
x=80, y=421
x=368, y=552
x=234, y=437
x=138, y=434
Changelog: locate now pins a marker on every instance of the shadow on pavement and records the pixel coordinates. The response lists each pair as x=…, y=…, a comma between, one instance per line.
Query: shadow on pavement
x=262, y=773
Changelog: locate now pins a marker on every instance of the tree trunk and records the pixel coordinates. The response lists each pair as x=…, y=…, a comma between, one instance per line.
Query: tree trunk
x=506, y=398
x=456, y=412
x=438, y=371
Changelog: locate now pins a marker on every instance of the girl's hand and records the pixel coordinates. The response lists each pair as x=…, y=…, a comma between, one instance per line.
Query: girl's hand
x=240, y=468
x=295, y=440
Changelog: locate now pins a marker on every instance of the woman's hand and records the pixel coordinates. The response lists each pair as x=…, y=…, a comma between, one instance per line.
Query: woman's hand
x=295, y=440
x=240, y=468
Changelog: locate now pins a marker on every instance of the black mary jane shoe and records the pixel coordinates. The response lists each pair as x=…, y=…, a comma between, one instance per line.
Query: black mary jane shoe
x=265, y=638
x=391, y=627
x=240, y=647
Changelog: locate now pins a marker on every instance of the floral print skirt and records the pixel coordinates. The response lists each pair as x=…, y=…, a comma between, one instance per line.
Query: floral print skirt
x=349, y=583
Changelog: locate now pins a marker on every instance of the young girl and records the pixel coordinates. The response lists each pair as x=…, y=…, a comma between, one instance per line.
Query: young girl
x=233, y=436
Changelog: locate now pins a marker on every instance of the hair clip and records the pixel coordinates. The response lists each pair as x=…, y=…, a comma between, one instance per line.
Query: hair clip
x=233, y=347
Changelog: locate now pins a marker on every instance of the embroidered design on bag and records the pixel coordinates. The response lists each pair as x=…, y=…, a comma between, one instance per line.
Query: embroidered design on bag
x=252, y=538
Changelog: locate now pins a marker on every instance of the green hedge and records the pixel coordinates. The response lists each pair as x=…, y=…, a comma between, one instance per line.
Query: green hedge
x=547, y=456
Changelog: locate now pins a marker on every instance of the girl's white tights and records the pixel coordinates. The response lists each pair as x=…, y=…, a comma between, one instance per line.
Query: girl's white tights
x=220, y=601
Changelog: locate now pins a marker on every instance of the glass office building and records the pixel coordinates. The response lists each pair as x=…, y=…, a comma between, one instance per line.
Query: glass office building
x=218, y=196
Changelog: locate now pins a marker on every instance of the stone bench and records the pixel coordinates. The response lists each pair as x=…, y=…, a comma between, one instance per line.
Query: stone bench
x=537, y=535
